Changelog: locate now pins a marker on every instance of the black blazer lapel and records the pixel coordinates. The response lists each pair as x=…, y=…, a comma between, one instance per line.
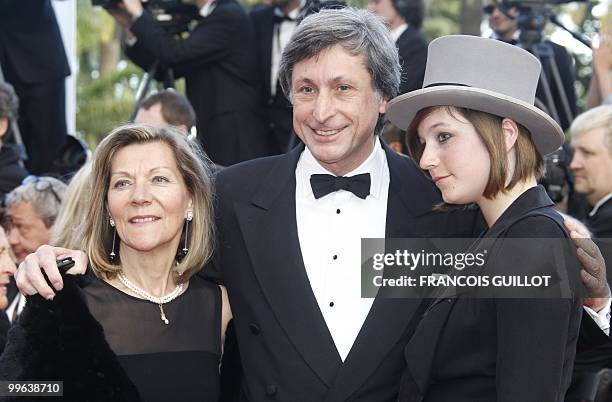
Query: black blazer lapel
x=420, y=351
x=269, y=222
x=388, y=318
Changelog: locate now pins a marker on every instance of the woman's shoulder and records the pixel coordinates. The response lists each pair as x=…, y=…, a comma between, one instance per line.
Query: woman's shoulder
x=540, y=223
x=202, y=284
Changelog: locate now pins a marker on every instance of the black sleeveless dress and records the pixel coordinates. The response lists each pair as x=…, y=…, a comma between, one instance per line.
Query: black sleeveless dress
x=178, y=361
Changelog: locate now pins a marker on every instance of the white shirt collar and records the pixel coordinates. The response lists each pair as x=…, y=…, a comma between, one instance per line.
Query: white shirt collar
x=208, y=8
x=515, y=36
x=375, y=164
x=599, y=204
x=397, y=32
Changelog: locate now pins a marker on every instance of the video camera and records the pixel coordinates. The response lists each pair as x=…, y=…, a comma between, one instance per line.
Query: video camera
x=173, y=15
x=531, y=20
x=533, y=16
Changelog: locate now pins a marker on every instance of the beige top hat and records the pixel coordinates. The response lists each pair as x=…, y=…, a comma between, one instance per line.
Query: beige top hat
x=481, y=74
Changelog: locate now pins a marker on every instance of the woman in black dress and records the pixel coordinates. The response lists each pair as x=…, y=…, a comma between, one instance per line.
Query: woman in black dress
x=473, y=128
x=142, y=325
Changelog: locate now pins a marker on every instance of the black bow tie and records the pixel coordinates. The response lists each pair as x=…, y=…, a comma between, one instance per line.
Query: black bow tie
x=323, y=184
x=279, y=19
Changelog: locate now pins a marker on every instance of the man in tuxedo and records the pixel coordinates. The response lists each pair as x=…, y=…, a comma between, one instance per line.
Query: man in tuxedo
x=219, y=65
x=290, y=226
x=274, y=25
x=289, y=245
x=33, y=60
x=404, y=18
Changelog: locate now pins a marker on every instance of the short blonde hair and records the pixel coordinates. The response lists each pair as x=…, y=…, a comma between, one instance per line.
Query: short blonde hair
x=598, y=117
x=194, y=168
x=489, y=127
x=67, y=231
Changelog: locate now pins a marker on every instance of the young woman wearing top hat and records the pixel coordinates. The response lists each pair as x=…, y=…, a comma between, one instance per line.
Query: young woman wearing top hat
x=473, y=128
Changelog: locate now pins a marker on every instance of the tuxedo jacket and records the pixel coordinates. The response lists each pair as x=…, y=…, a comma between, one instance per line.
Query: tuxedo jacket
x=30, y=41
x=286, y=349
x=487, y=350
x=412, y=47
x=278, y=108
x=219, y=65
x=601, y=222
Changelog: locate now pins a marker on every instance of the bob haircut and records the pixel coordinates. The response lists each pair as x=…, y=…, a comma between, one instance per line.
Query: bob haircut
x=195, y=171
x=529, y=162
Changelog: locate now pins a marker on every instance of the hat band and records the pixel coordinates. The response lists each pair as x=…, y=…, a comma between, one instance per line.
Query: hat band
x=438, y=84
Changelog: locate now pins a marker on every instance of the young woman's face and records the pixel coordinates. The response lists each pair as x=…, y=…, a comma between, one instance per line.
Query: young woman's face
x=455, y=156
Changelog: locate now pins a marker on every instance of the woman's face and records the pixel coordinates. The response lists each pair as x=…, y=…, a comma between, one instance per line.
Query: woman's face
x=455, y=156
x=147, y=198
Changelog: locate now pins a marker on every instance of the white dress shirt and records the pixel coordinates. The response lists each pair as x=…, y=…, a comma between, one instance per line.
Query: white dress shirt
x=330, y=230
x=280, y=37
x=599, y=203
x=397, y=32
x=16, y=307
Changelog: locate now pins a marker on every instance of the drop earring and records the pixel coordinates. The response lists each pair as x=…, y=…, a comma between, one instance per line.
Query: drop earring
x=112, y=255
x=188, y=219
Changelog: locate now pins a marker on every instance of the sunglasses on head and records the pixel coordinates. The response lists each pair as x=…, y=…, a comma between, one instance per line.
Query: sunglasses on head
x=489, y=8
x=42, y=184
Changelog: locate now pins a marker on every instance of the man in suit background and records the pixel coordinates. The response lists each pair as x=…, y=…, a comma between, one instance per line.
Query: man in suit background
x=31, y=210
x=592, y=164
x=219, y=65
x=404, y=18
x=33, y=60
x=274, y=24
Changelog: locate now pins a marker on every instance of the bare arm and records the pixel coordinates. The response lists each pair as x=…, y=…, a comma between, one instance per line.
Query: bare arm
x=226, y=313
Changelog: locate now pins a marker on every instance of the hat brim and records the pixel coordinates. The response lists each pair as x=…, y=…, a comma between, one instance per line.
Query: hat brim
x=545, y=132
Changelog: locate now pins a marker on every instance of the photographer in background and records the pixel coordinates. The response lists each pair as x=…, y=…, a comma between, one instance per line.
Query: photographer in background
x=503, y=21
x=218, y=62
x=33, y=60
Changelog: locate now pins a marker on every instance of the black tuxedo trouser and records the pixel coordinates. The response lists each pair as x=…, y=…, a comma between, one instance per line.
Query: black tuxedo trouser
x=42, y=119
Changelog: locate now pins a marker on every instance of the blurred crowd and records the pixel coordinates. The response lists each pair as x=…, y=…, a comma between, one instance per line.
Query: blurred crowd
x=234, y=106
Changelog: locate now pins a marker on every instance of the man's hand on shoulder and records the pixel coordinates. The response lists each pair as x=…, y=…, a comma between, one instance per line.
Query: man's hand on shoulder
x=29, y=277
x=593, y=274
